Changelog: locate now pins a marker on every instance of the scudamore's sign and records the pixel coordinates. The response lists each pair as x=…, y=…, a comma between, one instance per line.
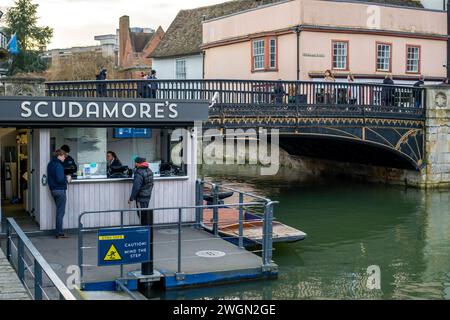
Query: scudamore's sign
x=64, y=110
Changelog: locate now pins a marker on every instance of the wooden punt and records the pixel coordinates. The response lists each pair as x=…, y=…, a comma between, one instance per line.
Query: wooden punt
x=228, y=227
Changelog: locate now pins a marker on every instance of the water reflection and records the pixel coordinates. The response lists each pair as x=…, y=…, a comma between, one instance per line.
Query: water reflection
x=350, y=226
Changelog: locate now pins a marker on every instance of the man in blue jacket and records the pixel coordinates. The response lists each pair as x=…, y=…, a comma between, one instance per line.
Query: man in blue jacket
x=57, y=182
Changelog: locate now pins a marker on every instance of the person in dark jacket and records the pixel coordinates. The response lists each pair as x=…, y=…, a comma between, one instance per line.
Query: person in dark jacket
x=112, y=161
x=278, y=93
x=101, y=88
x=153, y=85
x=387, y=94
x=70, y=166
x=142, y=184
x=57, y=182
x=417, y=93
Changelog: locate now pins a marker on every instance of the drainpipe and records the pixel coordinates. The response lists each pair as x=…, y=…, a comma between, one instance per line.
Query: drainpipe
x=298, y=31
x=203, y=64
x=448, y=40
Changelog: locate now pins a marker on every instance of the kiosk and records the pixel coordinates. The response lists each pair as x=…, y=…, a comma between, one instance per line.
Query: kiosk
x=163, y=132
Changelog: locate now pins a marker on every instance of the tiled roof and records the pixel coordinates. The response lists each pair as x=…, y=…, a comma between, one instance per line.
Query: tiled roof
x=140, y=39
x=184, y=36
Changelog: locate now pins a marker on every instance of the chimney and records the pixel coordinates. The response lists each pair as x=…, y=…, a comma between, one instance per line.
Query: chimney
x=124, y=33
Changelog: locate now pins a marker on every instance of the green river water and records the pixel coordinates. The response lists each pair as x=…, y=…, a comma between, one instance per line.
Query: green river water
x=350, y=226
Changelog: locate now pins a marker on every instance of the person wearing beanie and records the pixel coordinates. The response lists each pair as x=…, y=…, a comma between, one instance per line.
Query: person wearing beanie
x=142, y=184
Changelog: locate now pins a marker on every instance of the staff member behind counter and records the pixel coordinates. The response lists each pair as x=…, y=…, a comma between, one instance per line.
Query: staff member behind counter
x=70, y=166
x=113, y=162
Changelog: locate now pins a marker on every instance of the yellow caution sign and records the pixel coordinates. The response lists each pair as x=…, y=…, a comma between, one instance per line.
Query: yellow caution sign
x=112, y=254
x=116, y=237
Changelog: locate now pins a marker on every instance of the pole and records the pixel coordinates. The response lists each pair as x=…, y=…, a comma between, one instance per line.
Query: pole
x=147, y=220
x=147, y=267
x=297, y=31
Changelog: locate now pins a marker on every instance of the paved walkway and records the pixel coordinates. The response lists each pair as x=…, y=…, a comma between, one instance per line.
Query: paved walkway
x=10, y=286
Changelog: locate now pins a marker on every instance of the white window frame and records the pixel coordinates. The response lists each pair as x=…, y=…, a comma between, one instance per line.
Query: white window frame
x=340, y=55
x=412, y=59
x=180, y=72
x=259, y=54
x=384, y=57
x=273, y=53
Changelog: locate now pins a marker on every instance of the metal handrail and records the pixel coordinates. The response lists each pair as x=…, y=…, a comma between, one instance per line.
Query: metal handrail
x=402, y=100
x=56, y=83
x=41, y=266
x=239, y=191
x=267, y=229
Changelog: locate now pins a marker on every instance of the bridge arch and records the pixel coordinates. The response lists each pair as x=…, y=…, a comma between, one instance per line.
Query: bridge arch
x=343, y=149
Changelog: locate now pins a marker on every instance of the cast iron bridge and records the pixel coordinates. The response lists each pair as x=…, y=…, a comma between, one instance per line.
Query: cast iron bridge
x=363, y=123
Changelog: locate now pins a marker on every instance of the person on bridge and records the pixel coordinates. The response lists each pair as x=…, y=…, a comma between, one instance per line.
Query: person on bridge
x=387, y=94
x=142, y=184
x=329, y=89
x=57, y=182
x=278, y=93
x=417, y=93
x=101, y=76
x=153, y=85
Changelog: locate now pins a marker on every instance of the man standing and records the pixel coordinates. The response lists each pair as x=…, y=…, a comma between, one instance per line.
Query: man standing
x=141, y=193
x=142, y=184
x=57, y=182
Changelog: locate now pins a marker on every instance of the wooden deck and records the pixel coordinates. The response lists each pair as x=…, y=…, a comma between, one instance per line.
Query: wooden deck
x=10, y=286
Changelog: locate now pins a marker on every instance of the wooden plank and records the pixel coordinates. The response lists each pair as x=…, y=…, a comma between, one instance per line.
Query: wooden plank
x=10, y=286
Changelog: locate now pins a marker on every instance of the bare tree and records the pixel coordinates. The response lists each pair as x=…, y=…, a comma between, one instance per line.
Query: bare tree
x=80, y=66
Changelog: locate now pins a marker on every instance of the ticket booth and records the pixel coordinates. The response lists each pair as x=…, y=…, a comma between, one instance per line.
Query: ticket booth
x=163, y=132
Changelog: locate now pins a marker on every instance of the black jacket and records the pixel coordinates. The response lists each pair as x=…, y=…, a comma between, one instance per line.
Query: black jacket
x=70, y=166
x=114, y=164
x=142, y=185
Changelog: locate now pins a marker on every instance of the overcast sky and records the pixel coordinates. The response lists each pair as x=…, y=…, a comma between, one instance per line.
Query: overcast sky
x=76, y=22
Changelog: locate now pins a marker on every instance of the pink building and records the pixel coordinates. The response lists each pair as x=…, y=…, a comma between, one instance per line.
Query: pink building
x=300, y=39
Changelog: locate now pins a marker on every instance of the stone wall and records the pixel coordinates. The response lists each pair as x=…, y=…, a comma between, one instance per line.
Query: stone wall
x=437, y=137
x=19, y=86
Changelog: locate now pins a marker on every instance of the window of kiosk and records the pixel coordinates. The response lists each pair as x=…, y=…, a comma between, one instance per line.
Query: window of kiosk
x=163, y=149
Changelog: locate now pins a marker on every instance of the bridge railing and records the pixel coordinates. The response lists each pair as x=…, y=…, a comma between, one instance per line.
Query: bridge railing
x=252, y=97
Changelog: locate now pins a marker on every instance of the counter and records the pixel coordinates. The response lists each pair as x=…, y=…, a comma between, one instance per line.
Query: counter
x=112, y=194
x=127, y=179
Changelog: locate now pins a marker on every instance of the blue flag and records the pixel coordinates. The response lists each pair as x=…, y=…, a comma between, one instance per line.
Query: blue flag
x=13, y=47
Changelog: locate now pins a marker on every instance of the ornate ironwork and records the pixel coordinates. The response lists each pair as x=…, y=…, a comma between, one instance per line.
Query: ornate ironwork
x=383, y=115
